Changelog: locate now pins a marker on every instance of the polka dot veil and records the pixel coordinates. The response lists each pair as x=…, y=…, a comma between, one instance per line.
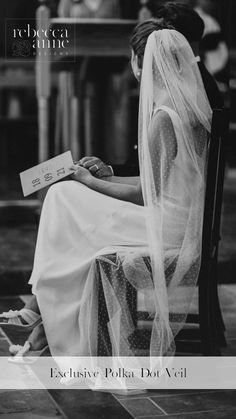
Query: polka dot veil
x=148, y=292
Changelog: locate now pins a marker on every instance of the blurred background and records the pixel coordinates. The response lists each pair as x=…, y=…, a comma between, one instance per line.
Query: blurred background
x=91, y=103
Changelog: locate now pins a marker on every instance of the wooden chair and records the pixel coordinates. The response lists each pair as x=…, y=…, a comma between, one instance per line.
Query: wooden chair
x=203, y=332
x=208, y=338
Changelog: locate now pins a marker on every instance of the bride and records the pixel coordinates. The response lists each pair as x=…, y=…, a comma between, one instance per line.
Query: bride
x=152, y=224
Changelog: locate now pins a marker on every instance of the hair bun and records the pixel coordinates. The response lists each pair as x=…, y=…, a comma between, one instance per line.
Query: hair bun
x=161, y=24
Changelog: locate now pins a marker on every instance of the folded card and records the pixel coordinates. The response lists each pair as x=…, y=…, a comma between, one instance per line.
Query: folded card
x=46, y=173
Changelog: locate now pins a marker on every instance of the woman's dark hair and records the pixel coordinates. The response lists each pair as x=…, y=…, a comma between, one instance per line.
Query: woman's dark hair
x=183, y=18
x=141, y=33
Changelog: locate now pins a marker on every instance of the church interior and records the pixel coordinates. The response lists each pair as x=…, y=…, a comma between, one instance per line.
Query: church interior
x=79, y=94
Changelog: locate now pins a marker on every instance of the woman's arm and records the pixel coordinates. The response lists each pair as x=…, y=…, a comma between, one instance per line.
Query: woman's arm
x=130, y=180
x=103, y=171
x=124, y=192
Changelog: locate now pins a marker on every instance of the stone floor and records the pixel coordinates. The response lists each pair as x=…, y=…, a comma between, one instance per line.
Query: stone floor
x=85, y=404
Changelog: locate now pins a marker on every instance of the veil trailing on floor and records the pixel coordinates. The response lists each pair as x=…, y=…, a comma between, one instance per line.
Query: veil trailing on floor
x=173, y=170
x=174, y=126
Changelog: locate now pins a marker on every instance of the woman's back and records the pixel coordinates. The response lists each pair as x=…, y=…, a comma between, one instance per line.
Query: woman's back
x=178, y=176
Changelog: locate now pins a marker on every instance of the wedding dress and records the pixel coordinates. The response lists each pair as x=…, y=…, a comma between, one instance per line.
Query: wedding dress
x=157, y=247
x=77, y=224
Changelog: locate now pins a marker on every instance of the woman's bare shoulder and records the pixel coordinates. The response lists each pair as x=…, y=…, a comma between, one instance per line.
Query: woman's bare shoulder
x=161, y=119
x=162, y=128
x=161, y=124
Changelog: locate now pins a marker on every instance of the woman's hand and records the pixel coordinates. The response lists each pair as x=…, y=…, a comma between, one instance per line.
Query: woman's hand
x=96, y=167
x=81, y=174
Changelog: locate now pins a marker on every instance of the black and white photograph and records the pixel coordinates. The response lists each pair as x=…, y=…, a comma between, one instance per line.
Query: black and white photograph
x=117, y=209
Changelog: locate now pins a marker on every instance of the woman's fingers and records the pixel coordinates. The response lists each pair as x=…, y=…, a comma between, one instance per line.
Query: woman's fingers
x=78, y=167
x=94, y=168
x=87, y=158
x=91, y=163
x=88, y=162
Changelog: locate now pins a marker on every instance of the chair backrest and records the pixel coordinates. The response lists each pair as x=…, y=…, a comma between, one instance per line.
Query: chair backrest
x=214, y=186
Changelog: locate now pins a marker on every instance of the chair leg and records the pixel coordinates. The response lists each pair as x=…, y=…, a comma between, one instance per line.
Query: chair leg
x=216, y=310
x=216, y=331
x=221, y=335
x=218, y=319
x=104, y=343
x=209, y=341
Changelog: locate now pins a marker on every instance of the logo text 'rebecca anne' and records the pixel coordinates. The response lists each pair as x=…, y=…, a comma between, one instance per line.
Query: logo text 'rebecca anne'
x=43, y=38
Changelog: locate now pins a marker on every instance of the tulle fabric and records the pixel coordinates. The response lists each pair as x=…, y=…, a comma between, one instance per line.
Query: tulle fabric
x=174, y=126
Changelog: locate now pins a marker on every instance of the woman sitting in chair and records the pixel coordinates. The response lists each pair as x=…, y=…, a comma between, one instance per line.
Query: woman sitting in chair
x=157, y=217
